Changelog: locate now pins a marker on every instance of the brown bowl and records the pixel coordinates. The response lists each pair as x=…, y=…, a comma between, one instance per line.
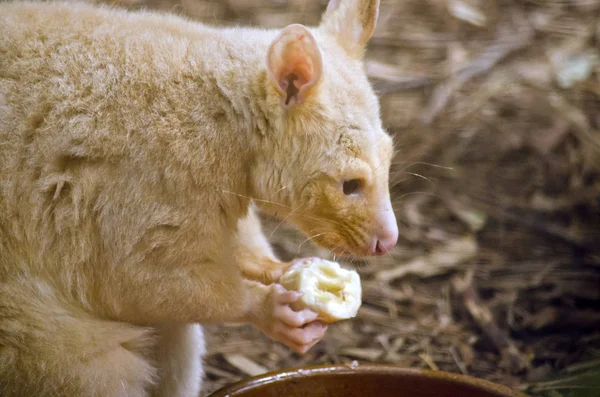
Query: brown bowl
x=363, y=380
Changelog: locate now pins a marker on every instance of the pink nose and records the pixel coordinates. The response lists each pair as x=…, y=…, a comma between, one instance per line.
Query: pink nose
x=386, y=233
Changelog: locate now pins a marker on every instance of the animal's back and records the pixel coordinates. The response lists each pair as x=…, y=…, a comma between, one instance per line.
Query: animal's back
x=84, y=95
x=85, y=73
x=86, y=91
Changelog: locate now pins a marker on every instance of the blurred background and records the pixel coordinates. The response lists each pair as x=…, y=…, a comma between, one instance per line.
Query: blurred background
x=495, y=109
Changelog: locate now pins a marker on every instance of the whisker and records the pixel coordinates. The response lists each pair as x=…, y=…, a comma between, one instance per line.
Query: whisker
x=428, y=180
x=282, y=221
x=388, y=253
x=413, y=193
x=316, y=218
x=322, y=230
x=309, y=239
x=396, y=183
x=257, y=199
x=333, y=253
x=283, y=188
x=417, y=175
x=424, y=163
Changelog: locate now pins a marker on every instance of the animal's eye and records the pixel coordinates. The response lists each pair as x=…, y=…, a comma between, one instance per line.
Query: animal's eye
x=352, y=186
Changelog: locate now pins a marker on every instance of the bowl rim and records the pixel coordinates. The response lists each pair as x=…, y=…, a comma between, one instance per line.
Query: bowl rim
x=361, y=367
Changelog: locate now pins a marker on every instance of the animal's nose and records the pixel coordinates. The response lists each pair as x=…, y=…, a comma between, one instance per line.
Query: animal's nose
x=386, y=233
x=386, y=243
x=384, y=246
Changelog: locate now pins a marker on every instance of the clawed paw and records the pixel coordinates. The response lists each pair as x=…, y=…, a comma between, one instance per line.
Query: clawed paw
x=299, y=262
x=299, y=330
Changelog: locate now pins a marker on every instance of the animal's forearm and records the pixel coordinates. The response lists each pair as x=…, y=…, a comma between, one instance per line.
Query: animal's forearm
x=255, y=255
x=206, y=293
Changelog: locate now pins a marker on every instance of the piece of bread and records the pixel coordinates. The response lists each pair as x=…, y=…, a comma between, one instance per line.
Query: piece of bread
x=327, y=288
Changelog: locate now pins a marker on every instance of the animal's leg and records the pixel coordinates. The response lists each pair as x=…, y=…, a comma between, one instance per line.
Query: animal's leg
x=255, y=255
x=49, y=348
x=178, y=356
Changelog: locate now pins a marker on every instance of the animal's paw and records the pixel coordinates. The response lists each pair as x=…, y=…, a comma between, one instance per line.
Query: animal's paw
x=299, y=330
x=278, y=269
x=296, y=263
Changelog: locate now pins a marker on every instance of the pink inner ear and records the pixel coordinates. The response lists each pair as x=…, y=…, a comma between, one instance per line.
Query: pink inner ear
x=296, y=73
x=294, y=63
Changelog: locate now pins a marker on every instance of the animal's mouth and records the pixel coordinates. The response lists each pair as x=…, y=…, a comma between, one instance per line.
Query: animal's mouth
x=374, y=247
x=345, y=251
x=359, y=246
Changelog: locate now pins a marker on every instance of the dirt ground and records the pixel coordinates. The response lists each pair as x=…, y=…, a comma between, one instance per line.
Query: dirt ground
x=495, y=109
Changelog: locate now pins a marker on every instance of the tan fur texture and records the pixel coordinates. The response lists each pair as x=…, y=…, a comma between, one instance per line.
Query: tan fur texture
x=131, y=148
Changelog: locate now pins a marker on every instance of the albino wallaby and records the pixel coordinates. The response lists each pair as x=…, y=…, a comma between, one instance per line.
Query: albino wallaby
x=132, y=146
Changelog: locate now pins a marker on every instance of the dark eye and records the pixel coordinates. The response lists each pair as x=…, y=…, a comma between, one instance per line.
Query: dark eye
x=352, y=186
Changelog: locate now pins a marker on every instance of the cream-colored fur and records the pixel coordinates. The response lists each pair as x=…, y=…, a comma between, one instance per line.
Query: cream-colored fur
x=178, y=360
x=131, y=147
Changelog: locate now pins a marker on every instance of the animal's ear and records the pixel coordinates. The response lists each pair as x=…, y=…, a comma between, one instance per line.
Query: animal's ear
x=352, y=22
x=294, y=64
